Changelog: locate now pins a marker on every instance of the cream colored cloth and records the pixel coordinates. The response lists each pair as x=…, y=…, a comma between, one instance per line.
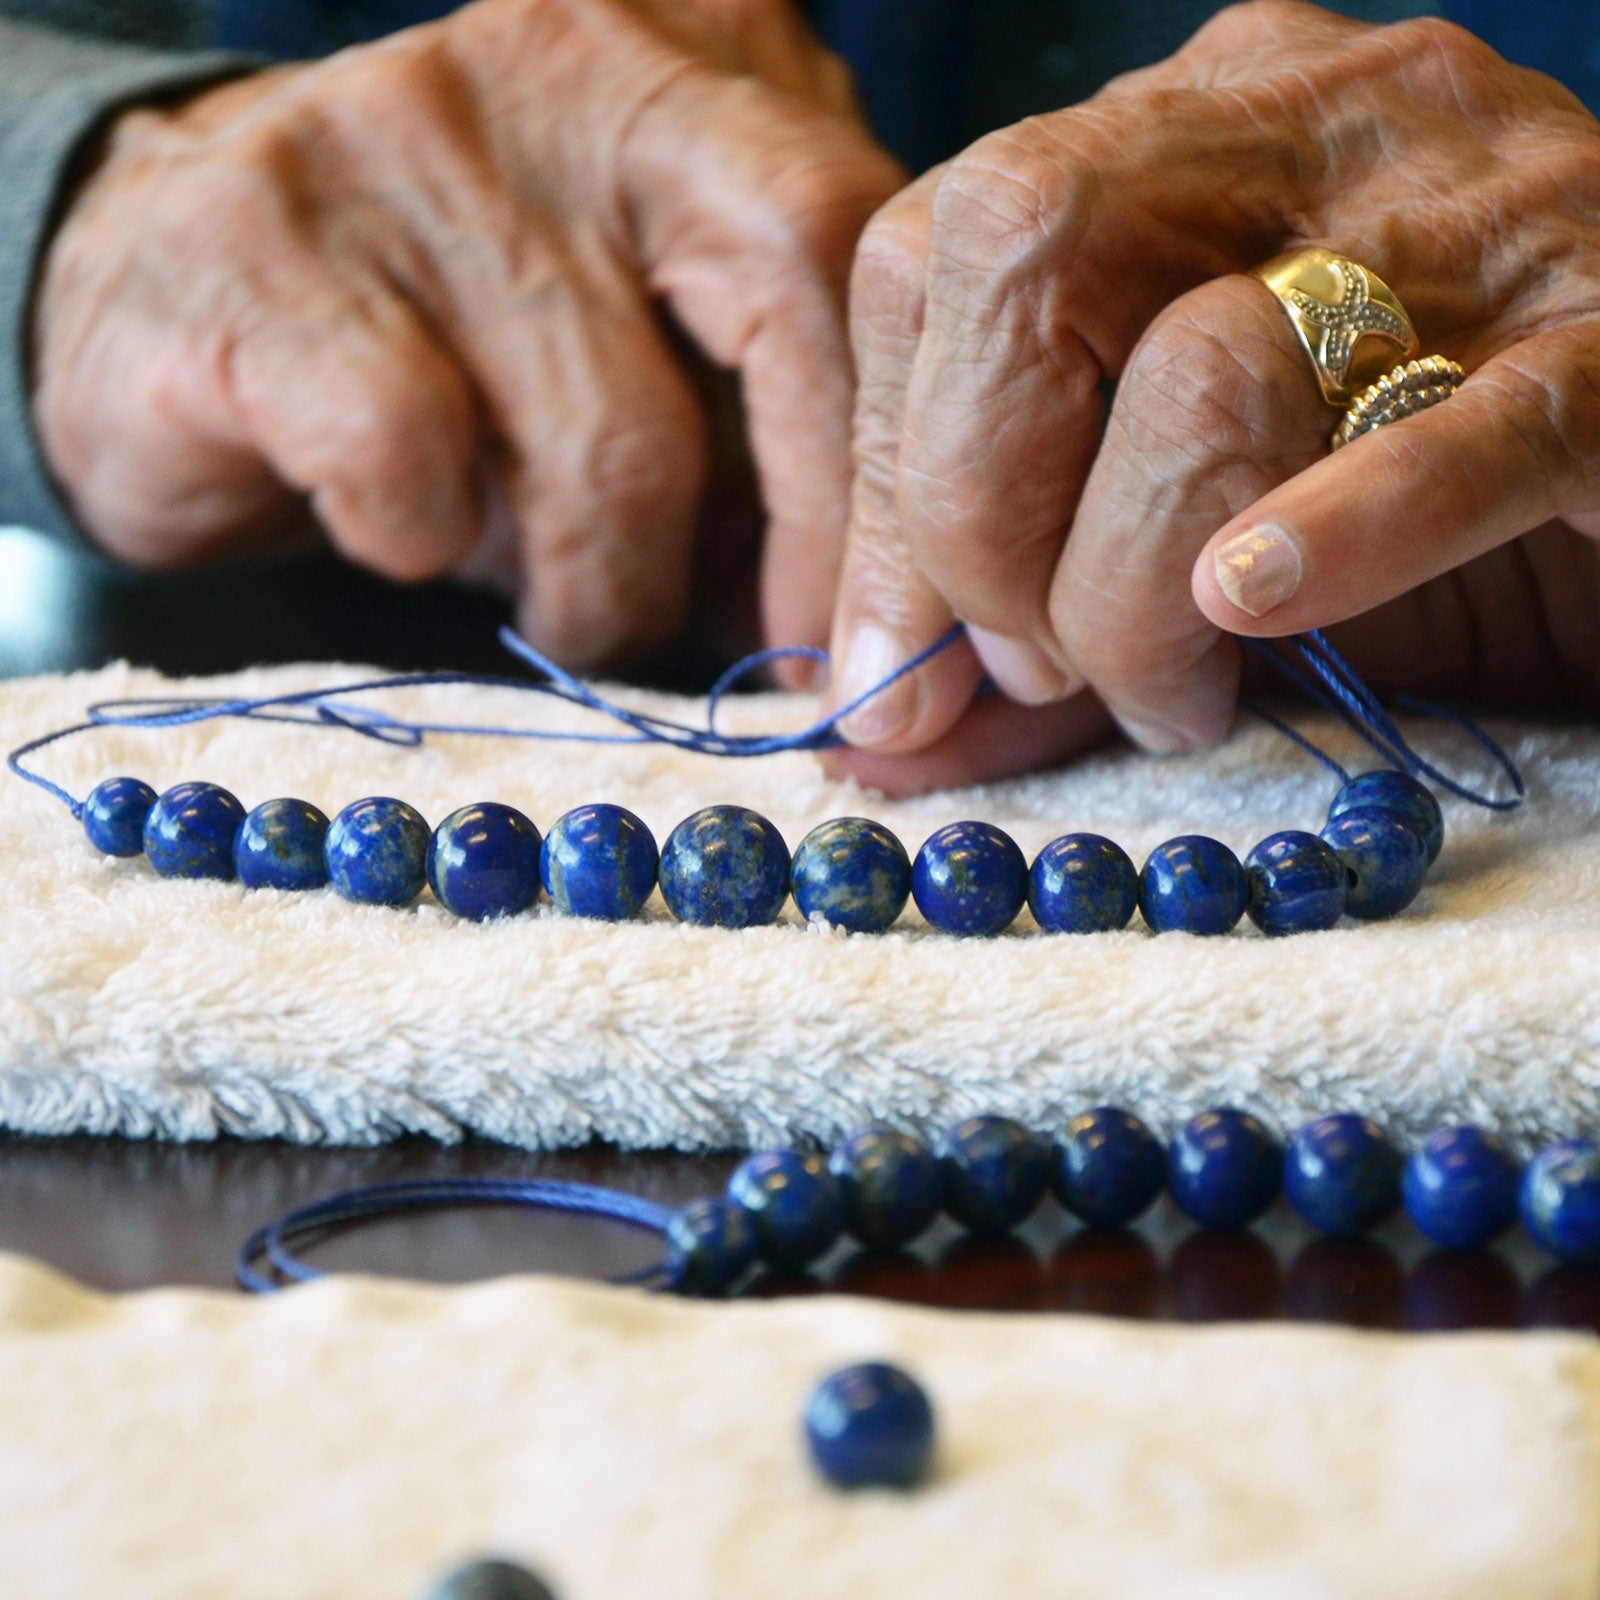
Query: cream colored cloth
x=133, y=1005
x=350, y=1440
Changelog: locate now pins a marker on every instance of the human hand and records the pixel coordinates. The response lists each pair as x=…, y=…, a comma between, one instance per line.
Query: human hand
x=992, y=298
x=414, y=288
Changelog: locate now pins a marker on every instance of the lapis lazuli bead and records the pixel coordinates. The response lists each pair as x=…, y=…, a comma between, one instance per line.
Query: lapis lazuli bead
x=1460, y=1187
x=1385, y=861
x=793, y=1204
x=279, y=846
x=114, y=816
x=1192, y=884
x=725, y=867
x=1342, y=1174
x=1560, y=1200
x=377, y=852
x=710, y=1246
x=491, y=1580
x=189, y=832
x=890, y=1184
x=1109, y=1167
x=483, y=862
x=870, y=1426
x=1224, y=1168
x=994, y=1173
x=1297, y=884
x=851, y=873
x=1082, y=883
x=970, y=878
x=600, y=861
x=1398, y=793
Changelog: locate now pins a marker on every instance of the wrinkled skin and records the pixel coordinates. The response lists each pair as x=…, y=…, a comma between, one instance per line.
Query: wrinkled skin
x=992, y=298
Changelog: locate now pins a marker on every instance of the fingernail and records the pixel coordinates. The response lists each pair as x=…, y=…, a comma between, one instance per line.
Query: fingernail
x=1022, y=671
x=872, y=654
x=1258, y=570
x=1151, y=736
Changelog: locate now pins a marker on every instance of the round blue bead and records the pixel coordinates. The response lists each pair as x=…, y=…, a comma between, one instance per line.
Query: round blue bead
x=1560, y=1200
x=710, y=1246
x=870, y=1426
x=279, y=846
x=1192, y=884
x=725, y=867
x=483, y=862
x=377, y=852
x=600, y=861
x=1224, y=1168
x=1385, y=861
x=115, y=814
x=189, y=832
x=1109, y=1167
x=1460, y=1187
x=1401, y=795
x=994, y=1173
x=851, y=873
x=1297, y=884
x=1081, y=883
x=890, y=1184
x=970, y=878
x=1342, y=1175
x=793, y=1204
x=491, y=1580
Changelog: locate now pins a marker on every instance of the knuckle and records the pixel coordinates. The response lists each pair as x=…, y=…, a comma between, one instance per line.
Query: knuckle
x=890, y=265
x=1003, y=197
x=1190, y=390
x=1446, y=60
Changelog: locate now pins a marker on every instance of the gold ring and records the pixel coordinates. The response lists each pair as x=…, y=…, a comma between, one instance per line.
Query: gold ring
x=1411, y=387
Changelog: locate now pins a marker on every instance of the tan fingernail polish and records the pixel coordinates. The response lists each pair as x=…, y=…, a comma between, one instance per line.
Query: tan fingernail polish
x=1022, y=671
x=871, y=655
x=1258, y=570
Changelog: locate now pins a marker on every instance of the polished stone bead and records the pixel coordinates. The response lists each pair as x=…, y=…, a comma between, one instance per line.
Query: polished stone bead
x=1192, y=884
x=1081, y=883
x=1385, y=861
x=1297, y=884
x=710, y=1246
x=725, y=867
x=890, y=1184
x=851, y=873
x=793, y=1204
x=279, y=846
x=870, y=1426
x=1399, y=793
x=377, y=852
x=994, y=1173
x=1224, y=1168
x=1109, y=1167
x=483, y=862
x=491, y=1580
x=114, y=816
x=1560, y=1200
x=1460, y=1187
x=189, y=832
x=600, y=861
x=1342, y=1174
x=970, y=878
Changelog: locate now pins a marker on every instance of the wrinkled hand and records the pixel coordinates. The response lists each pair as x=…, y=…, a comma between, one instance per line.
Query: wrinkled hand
x=992, y=299
x=415, y=288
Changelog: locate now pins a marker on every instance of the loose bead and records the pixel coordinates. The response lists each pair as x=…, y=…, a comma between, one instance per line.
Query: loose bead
x=491, y=1580
x=1081, y=883
x=1560, y=1200
x=114, y=816
x=710, y=1246
x=600, y=861
x=189, y=832
x=725, y=867
x=1400, y=794
x=994, y=1173
x=1297, y=884
x=483, y=862
x=279, y=846
x=1385, y=861
x=851, y=873
x=970, y=878
x=1224, y=1168
x=1342, y=1175
x=792, y=1202
x=377, y=852
x=1109, y=1167
x=870, y=1426
x=890, y=1185
x=1192, y=884
x=1460, y=1188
